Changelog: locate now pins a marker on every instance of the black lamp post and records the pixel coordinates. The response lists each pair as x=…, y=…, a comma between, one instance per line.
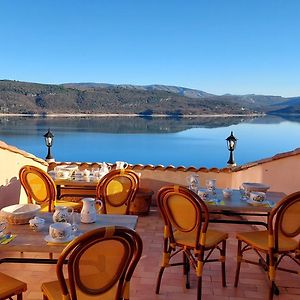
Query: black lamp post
x=49, y=142
x=231, y=144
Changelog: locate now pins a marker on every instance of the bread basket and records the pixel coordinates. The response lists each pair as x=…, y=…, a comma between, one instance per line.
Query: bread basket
x=255, y=187
x=19, y=213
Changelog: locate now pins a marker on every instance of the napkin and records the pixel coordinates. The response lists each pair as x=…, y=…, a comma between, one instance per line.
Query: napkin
x=7, y=238
x=215, y=202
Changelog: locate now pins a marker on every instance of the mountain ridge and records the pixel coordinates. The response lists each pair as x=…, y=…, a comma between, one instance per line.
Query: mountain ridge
x=27, y=97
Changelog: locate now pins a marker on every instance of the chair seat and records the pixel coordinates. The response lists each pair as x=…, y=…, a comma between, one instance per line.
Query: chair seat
x=259, y=240
x=10, y=286
x=213, y=237
x=53, y=291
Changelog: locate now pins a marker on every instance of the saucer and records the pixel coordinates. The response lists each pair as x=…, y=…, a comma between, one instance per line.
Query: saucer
x=255, y=203
x=49, y=239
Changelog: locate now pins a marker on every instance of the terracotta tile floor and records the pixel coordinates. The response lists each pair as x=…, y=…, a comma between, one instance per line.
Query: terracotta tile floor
x=253, y=282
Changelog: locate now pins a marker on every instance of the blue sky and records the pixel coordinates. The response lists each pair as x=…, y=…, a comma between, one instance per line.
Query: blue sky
x=219, y=46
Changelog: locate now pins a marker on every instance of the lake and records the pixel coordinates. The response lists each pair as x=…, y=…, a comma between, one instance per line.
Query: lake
x=180, y=142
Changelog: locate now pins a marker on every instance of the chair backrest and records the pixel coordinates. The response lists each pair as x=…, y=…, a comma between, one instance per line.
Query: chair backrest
x=284, y=219
x=39, y=186
x=184, y=211
x=100, y=264
x=117, y=189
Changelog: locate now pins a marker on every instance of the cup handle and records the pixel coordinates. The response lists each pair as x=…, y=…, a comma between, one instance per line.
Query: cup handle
x=71, y=210
x=100, y=204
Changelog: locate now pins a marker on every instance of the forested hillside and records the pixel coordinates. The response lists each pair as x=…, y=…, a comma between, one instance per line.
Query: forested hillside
x=24, y=97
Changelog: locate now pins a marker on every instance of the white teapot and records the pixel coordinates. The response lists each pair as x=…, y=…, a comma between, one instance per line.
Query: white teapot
x=62, y=214
x=105, y=168
x=88, y=213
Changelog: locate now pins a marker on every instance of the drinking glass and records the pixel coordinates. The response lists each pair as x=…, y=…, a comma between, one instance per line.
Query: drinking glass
x=193, y=182
x=75, y=222
x=211, y=185
x=243, y=193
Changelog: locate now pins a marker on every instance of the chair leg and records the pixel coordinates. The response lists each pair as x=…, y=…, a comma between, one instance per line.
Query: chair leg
x=199, y=288
x=184, y=263
x=238, y=263
x=160, y=274
x=223, y=254
x=186, y=270
x=20, y=296
x=271, y=291
x=187, y=278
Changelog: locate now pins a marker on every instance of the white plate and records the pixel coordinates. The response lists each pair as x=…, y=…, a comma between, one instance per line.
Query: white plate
x=49, y=239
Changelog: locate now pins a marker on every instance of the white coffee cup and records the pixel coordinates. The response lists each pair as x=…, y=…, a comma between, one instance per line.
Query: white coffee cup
x=121, y=165
x=62, y=174
x=258, y=196
x=203, y=194
x=86, y=173
x=36, y=223
x=60, y=231
x=227, y=193
x=95, y=173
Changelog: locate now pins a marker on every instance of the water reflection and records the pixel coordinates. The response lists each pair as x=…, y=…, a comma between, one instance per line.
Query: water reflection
x=29, y=125
x=186, y=141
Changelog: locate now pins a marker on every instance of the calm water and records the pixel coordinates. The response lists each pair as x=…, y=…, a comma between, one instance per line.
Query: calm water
x=187, y=142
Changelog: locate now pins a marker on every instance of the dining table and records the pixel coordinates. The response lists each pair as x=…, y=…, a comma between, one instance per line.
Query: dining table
x=241, y=207
x=34, y=241
x=237, y=206
x=80, y=187
x=76, y=186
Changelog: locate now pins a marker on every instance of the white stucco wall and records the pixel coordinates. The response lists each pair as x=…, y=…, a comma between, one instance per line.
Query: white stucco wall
x=10, y=164
x=281, y=174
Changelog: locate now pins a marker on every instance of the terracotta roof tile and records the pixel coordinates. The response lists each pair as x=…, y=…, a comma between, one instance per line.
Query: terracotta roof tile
x=183, y=168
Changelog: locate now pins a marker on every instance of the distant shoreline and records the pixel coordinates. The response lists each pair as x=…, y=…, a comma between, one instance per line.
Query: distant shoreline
x=131, y=115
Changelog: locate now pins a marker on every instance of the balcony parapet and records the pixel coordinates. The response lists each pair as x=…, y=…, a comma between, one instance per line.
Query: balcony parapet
x=137, y=167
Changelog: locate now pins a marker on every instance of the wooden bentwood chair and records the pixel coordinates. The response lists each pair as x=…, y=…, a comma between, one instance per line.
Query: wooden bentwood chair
x=186, y=230
x=117, y=190
x=279, y=241
x=100, y=265
x=41, y=189
x=10, y=287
